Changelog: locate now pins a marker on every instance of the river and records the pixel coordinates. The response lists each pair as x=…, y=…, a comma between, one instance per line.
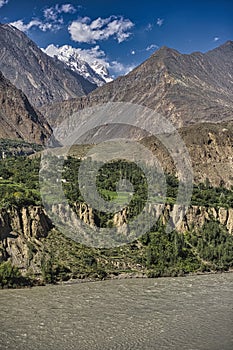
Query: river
x=189, y=313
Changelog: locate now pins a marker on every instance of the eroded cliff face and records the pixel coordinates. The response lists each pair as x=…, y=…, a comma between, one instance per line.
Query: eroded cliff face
x=184, y=219
x=24, y=231
x=196, y=217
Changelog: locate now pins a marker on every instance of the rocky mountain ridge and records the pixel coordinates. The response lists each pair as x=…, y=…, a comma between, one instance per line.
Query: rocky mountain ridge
x=93, y=71
x=40, y=77
x=185, y=89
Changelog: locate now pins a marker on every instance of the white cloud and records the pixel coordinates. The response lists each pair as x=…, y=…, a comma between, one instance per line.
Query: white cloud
x=53, y=13
x=33, y=23
x=3, y=2
x=160, y=22
x=67, y=8
x=20, y=25
x=133, y=52
x=216, y=38
x=120, y=68
x=50, y=14
x=151, y=47
x=149, y=27
x=53, y=19
x=86, y=31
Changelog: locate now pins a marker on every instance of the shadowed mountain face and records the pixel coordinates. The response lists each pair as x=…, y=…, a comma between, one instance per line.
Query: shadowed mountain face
x=186, y=89
x=18, y=119
x=42, y=78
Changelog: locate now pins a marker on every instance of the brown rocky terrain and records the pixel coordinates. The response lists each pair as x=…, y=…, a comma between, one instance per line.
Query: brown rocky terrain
x=186, y=89
x=42, y=78
x=18, y=229
x=210, y=149
x=18, y=119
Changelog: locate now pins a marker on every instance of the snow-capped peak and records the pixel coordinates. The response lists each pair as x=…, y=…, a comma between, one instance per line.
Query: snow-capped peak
x=78, y=61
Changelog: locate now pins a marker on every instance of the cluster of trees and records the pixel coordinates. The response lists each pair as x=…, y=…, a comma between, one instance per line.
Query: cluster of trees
x=170, y=254
x=19, y=181
x=9, y=148
x=10, y=276
x=213, y=244
x=111, y=173
x=209, y=196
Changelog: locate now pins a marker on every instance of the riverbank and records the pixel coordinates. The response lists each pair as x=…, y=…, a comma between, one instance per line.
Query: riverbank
x=126, y=276
x=114, y=276
x=120, y=276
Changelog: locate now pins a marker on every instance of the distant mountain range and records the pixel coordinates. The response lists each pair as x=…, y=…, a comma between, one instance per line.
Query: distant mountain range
x=92, y=70
x=194, y=92
x=42, y=78
x=186, y=89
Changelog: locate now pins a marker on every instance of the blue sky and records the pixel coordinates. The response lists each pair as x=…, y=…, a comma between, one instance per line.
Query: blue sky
x=120, y=33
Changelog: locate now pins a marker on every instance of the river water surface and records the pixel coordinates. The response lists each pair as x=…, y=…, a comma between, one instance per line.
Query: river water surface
x=191, y=313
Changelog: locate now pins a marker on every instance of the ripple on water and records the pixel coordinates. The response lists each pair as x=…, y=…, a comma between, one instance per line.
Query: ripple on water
x=169, y=313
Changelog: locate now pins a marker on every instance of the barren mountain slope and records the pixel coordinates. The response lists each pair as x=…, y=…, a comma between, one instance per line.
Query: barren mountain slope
x=42, y=78
x=18, y=119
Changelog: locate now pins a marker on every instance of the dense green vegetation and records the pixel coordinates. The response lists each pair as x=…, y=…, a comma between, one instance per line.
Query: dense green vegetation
x=213, y=245
x=157, y=253
x=111, y=173
x=11, y=277
x=17, y=148
x=208, y=249
x=19, y=181
x=19, y=184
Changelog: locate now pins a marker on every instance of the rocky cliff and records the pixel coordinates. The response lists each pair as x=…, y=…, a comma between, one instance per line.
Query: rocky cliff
x=194, y=218
x=22, y=232
x=26, y=233
x=210, y=149
x=18, y=118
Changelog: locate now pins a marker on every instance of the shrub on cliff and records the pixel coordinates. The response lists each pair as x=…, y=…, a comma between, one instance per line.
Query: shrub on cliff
x=10, y=276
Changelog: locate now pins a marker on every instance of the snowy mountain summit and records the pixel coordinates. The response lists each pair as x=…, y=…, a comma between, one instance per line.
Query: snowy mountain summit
x=91, y=70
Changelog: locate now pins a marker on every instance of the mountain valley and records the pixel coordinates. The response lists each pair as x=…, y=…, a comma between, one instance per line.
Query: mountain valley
x=193, y=92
